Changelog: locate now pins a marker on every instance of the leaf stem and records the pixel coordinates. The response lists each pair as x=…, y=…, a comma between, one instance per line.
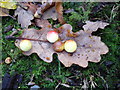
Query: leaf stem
x=13, y=37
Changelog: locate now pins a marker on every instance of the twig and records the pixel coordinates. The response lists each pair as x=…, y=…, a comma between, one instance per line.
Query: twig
x=57, y=86
x=9, y=15
x=12, y=17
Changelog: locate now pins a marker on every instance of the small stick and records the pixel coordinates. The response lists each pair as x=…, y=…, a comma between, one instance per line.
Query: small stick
x=12, y=17
x=13, y=37
x=9, y=15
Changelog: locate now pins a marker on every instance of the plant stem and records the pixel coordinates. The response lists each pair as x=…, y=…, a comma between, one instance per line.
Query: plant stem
x=59, y=67
x=13, y=37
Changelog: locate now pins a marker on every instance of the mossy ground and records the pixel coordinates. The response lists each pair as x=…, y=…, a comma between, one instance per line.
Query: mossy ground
x=106, y=72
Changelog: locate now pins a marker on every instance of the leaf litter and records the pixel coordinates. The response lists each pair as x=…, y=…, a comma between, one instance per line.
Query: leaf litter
x=24, y=17
x=89, y=47
x=27, y=12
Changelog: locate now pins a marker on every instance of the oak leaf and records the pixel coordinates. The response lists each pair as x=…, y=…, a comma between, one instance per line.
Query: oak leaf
x=51, y=13
x=49, y=1
x=93, y=26
x=89, y=47
x=52, y=10
x=24, y=17
x=25, y=13
x=31, y=7
x=59, y=10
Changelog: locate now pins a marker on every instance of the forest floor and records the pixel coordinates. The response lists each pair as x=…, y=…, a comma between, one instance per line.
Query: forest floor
x=106, y=73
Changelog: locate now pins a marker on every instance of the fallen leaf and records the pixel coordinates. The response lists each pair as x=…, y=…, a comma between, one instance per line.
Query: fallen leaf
x=85, y=54
x=9, y=4
x=43, y=23
x=4, y=12
x=44, y=7
x=53, y=10
x=43, y=49
x=59, y=10
x=89, y=47
x=51, y=13
x=31, y=7
x=49, y=1
x=93, y=26
x=24, y=17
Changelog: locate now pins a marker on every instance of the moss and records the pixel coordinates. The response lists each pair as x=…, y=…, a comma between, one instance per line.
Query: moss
x=29, y=65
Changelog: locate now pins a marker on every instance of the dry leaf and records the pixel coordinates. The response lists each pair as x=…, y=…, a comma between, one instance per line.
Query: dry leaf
x=59, y=10
x=25, y=13
x=43, y=23
x=9, y=4
x=93, y=26
x=89, y=47
x=31, y=7
x=4, y=12
x=49, y=1
x=44, y=7
x=43, y=49
x=51, y=13
x=53, y=10
x=24, y=17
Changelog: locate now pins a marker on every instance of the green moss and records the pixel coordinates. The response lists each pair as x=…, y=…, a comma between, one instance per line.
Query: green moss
x=29, y=65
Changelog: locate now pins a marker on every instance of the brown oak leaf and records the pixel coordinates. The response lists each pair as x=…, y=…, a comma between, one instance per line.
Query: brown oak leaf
x=43, y=23
x=43, y=49
x=31, y=7
x=59, y=10
x=89, y=47
x=24, y=17
x=49, y=1
x=44, y=7
x=51, y=13
x=53, y=10
x=93, y=26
